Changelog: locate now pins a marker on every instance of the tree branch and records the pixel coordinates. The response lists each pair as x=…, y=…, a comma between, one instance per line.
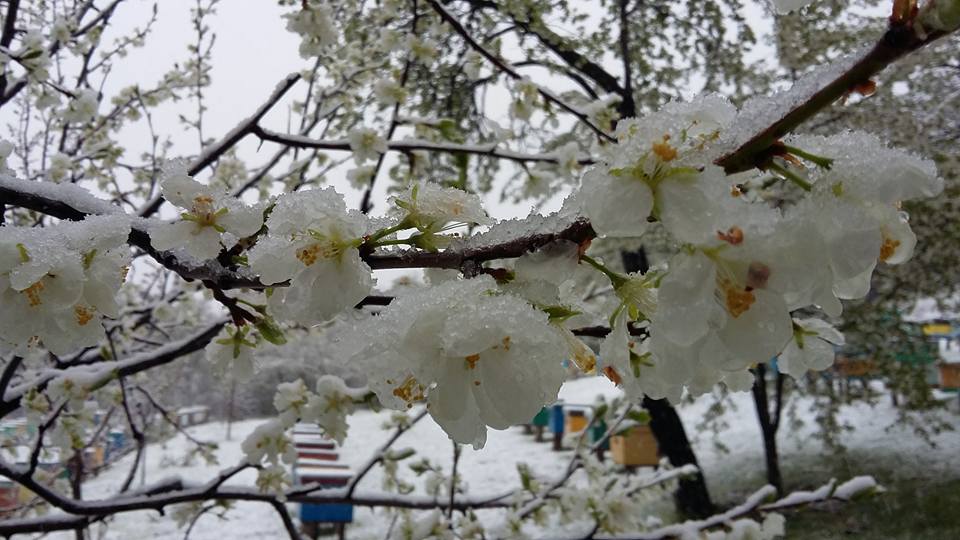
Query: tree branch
x=899, y=40
x=492, y=150
x=505, y=67
x=241, y=130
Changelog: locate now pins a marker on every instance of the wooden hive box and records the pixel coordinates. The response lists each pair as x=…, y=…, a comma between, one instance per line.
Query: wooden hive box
x=950, y=375
x=635, y=446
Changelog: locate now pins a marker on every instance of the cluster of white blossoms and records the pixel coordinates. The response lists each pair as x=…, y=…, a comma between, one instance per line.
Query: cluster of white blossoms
x=314, y=23
x=478, y=357
x=58, y=282
x=211, y=221
x=748, y=256
x=328, y=408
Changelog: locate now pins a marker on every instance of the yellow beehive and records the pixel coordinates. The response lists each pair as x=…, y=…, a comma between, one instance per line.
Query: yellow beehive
x=635, y=446
x=576, y=421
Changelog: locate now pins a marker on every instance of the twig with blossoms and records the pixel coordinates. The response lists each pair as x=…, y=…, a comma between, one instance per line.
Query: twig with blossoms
x=505, y=67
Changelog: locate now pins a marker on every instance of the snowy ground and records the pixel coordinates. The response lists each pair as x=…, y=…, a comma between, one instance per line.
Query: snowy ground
x=492, y=469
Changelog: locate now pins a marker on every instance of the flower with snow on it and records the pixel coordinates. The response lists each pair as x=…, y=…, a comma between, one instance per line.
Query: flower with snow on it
x=40, y=284
x=477, y=357
x=60, y=167
x=83, y=107
x=269, y=442
x=366, y=144
x=57, y=282
x=568, y=158
x=312, y=242
x=314, y=23
x=525, y=99
x=232, y=352
x=360, y=177
x=422, y=50
x=209, y=215
x=669, y=146
x=331, y=405
x=812, y=347
x=430, y=207
x=290, y=400
x=472, y=64
x=851, y=218
x=273, y=479
x=389, y=92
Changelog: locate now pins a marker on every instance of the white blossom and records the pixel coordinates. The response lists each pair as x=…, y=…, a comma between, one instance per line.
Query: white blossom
x=83, y=107
x=812, y=348
x=212, y=219
x=478, y=358
x=231, y=353
x=389, y=92
x=366, y=144
x=269, y=442
x=314, y=23
x=312, y=242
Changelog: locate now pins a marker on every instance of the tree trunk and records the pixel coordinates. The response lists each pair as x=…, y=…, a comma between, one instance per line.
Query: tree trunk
x=692, y=497
x=768, y=424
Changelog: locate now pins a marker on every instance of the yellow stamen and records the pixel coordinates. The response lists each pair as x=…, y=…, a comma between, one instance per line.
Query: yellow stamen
x=33, y=294
x=409, y=391
x=83, y=314
x=472, y=361
x=737, y=300
x=664, y=151
x=889, y=248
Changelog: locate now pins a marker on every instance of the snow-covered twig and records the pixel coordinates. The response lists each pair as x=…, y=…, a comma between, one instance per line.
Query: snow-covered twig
x=806, y=100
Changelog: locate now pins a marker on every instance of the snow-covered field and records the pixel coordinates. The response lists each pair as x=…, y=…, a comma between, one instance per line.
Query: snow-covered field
x=491, y=470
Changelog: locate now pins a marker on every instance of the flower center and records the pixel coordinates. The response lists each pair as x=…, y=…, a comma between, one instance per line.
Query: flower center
x=409, y=391
x=888, y=248
x=33, y=293
x=472, y=361
x=736, y=299
x=309, y=255
x=83, y=314
x=663, y=150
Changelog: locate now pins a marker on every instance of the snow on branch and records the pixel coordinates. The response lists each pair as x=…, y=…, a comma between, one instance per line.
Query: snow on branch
x=764, y=121
x=96, y=375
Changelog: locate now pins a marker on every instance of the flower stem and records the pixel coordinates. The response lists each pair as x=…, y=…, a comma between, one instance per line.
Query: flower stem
x=821, y=161
x=789, y=175
x=616, y=279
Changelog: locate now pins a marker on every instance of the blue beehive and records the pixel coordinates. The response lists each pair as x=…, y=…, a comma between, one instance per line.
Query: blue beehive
x=556, y=418
x=326, y=513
